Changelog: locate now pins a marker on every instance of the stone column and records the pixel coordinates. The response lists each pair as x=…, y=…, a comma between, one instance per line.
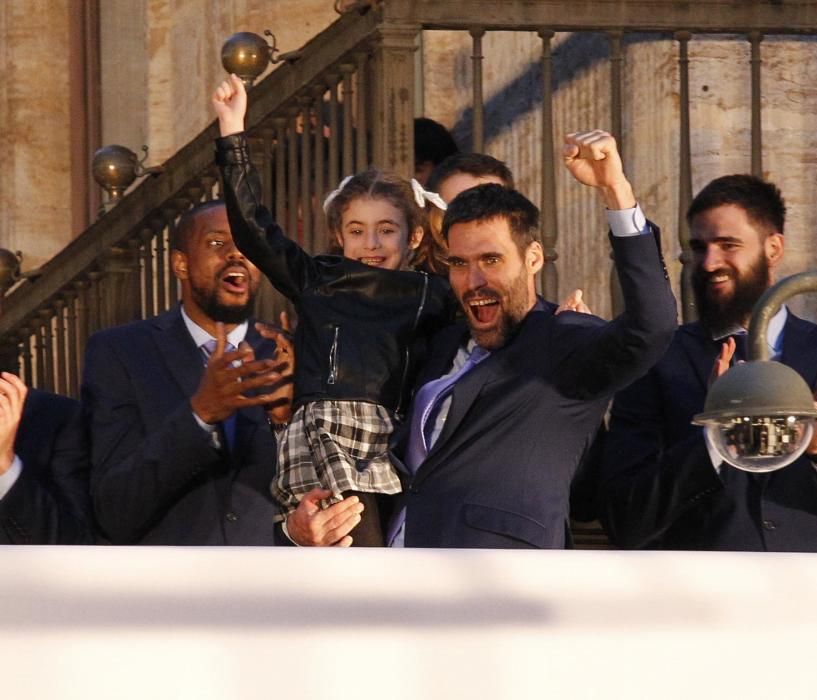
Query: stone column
x=393, y=123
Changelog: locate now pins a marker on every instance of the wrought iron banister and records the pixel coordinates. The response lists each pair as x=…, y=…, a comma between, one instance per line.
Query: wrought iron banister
x=705, y=16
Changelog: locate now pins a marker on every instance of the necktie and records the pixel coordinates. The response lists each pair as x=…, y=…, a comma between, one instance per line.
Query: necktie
x=228, y=424
x=426, y=404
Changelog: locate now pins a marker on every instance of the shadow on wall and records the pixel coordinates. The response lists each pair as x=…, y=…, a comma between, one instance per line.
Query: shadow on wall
x=577, y=54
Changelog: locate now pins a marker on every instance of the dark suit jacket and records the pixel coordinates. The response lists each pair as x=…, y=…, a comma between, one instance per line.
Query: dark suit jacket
x=156, y=476
x=49, y=502
x=520, y=422
x=658, y=488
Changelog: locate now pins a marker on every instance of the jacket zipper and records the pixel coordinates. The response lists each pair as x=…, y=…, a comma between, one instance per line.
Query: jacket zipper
x=333, y=358
x=399, y=410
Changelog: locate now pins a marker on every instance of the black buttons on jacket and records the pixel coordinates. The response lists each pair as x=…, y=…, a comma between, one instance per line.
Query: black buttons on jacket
x=232, y=517
x=769, y=525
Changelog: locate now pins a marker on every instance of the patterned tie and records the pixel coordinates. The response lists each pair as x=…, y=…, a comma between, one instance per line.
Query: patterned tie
x=228, y=424
x=426, y=405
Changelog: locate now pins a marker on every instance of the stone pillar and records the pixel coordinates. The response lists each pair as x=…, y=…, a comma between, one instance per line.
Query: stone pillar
x=393, y=125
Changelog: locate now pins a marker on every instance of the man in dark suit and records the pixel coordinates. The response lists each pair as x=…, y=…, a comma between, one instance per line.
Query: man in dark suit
x=44, y=466
x=182, y=452
x=659, y=485
x=490, y=462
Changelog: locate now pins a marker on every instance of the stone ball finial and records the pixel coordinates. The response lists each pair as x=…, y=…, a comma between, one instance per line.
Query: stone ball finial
x=247, y=55
x=9, y=269
x=115, y=168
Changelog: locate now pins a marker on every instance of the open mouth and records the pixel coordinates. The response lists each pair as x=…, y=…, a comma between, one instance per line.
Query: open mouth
x=235, y=280
x=374, y=261
x=483, y=309
x=719, y=280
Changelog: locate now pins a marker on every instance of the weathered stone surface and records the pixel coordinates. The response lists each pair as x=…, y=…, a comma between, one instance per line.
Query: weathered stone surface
x=35, y=201
x=160, y=61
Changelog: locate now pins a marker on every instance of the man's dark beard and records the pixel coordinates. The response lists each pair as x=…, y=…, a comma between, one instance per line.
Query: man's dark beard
x=511, y=318
x=207, y=300
x=718, y=316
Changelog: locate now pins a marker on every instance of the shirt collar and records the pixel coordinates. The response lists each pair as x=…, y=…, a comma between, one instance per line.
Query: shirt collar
x=774, y=331
x=201, y=336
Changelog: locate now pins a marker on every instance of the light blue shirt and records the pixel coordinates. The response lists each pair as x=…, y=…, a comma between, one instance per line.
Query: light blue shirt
x=200, y=337
x=8, y=479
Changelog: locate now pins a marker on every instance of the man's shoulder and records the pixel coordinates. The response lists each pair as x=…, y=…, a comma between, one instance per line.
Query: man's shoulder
x=692, y=329
x=42, y=402
x=690, y=346
x=800, y=324
x=544, y=314
x=130, y=332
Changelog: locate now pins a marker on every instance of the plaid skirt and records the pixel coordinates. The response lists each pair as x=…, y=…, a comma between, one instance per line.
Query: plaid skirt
x=335, y=445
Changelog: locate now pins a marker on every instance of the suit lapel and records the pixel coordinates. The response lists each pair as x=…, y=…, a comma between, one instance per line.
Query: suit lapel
x=178, y=351
x=699, y=349
x=442, y=352
x=800, y=348
x=465, y=393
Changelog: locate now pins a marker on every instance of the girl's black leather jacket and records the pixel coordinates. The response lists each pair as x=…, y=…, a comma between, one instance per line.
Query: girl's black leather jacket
x=361, y=330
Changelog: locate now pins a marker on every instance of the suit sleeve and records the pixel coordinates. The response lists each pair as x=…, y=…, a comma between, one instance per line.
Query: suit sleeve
x=49, y=503
x=608, y=357
x=138, y=470
x=282, y=260
x=645, y=486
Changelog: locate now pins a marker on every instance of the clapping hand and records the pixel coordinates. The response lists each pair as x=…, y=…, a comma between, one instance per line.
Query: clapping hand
x=12, y=397
x=230, y=377
x=279, y=409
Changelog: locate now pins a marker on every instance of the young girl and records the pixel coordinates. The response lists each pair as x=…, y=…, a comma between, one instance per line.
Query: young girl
x=362, y=319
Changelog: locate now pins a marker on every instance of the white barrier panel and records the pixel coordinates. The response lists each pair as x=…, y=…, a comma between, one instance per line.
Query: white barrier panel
x=146, y=623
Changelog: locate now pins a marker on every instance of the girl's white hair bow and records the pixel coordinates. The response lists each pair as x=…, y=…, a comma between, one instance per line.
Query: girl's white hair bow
x=334, y=193
x=421, y=195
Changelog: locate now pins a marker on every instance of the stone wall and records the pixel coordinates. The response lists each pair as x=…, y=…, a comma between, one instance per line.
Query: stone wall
x=35, y=196
x=156, y=85
x=160, y=60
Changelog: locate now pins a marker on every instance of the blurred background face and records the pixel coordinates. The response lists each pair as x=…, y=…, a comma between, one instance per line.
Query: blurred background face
x=459, y=182
x=217, y=280
x=375, y=232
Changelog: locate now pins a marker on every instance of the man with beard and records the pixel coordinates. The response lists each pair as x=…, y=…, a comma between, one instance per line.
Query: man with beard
x=182, y=452
x=659, y=486
x=511, y=398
